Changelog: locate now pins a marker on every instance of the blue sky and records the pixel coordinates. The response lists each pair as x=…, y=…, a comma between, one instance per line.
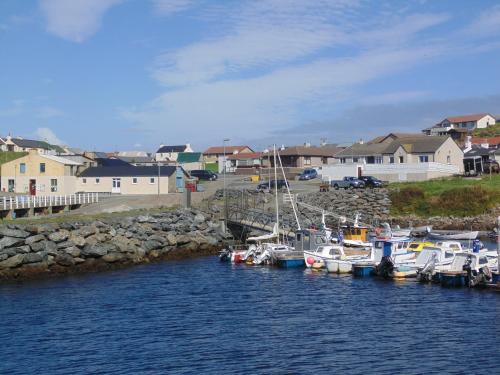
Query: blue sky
x=131, y=74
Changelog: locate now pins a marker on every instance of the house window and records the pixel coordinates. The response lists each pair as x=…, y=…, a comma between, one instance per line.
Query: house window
x=324, y=160
x=391, y=159
x=151, y=180
x=378, y=159
x=355, y=160
x=342, y=160
x=401, y=159
x=307, y=160
x=423, y=158
x=53, y=185
x=42, y=167
x=22, y=168
x=84, y=181
x=448, y=159
x=370, y=160
x=97, y=181
x=11, y=186
x=134, y=180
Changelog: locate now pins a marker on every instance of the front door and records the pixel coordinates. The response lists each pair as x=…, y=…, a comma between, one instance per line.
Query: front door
x=117, y=185
x=32, y=187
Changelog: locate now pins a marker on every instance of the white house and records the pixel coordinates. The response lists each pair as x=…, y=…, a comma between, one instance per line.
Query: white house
x=468, y=122
x=170, y=153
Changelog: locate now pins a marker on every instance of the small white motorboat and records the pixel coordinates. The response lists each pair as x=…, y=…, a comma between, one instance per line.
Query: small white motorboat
x=454, y=235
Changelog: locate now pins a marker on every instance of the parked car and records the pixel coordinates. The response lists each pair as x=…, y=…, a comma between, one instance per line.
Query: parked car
x=348, y=183
x=371, y=181
x=308, y=174
x=491, y=166
x=203, y=174
x=263, y=186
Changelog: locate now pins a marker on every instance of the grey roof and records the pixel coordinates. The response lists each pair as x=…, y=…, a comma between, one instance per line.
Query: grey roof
x=363, y=149
x=478, y=151
x=417, y=144
x=136, y=159
x=166, y=149
x=29, y=143
x=128, y=171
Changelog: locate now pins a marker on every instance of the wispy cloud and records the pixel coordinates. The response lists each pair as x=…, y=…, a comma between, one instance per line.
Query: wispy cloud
x=75, y=20
x=47, y=112
x=48, y=135
x=15, y=108
x=168, y=7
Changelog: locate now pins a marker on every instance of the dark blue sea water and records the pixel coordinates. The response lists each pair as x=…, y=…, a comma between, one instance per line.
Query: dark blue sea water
x=204, y=317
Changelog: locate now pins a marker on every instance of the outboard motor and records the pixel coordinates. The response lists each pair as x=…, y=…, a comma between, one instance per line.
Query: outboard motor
x=225, y=254
x=385, y=267
x=262, y=258
x=425, y=275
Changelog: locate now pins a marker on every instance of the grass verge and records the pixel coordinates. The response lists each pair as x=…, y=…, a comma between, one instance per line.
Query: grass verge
x=455, y=196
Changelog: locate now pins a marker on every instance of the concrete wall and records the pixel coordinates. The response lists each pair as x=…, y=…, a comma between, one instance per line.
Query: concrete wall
x=143, y=185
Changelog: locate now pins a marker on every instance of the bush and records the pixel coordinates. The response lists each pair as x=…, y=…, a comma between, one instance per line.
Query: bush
x=466, y=201
x=407, y=200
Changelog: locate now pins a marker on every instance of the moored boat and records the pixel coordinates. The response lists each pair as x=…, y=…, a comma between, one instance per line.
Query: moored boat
x=454, y=235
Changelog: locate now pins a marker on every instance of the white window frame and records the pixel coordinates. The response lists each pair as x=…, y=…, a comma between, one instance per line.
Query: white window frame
x=307, y=160
x=53, y=187
x=97, y=181
x=84, y=180
x=423, y=158
x=135, y=180
x=152, y=180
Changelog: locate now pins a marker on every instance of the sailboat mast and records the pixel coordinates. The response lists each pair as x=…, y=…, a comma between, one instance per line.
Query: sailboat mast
x=276, y=193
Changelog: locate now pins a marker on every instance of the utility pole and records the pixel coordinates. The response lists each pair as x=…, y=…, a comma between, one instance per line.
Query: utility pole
x=224, y=178
x=158, y=180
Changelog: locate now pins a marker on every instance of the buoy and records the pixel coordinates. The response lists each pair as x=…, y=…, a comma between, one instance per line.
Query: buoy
x=310, y=260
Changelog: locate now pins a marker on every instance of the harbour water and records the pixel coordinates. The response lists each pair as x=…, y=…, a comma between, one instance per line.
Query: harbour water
x=200, y=316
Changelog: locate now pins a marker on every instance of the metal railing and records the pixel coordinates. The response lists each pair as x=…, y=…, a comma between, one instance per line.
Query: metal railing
x=27, y=202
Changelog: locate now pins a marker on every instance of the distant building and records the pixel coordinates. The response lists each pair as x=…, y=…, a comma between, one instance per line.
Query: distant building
x=132, y=180
x=306, y=156
x=218, y=154
x=170, y=153
x=467, y=122
x=25, y=145
x=138, y=160
x=245, y=163
x=190, y=160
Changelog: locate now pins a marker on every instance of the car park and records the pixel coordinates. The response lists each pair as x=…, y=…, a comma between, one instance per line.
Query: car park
x=308, y=174
x=348, y=183
x=269, y=185
x=203, y=174
x=371, y=181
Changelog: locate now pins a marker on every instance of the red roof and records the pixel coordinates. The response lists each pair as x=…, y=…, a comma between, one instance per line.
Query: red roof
x=467, y=118
x=492, y=141
x=219, y=150
x=245, y=155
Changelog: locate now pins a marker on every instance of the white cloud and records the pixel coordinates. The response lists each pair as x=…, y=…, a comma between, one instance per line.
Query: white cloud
x=168, y=7
x=75, y=20
x=48, y=135
x=48, y=112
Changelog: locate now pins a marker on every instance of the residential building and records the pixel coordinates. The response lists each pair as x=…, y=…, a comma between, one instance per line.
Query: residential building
x=132, y=180
x=408, y=158
x=25, y=145
x=245, y=163
x=40, y=174
x=170, y=153
x=219, y=155
x=3, y=145
x=305, y=156
x=138, y=160
x=190, y=160
x=475, y=157
x=486, y=142
x=467, y=122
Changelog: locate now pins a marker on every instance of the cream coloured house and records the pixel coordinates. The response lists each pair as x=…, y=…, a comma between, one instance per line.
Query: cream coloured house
x=170, y=153
x=40, y=174
x=131, y=180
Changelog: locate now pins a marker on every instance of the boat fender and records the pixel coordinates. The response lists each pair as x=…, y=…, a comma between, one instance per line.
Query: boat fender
x=310, y=260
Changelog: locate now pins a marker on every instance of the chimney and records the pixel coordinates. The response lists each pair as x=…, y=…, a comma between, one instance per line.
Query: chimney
x=307, y=144
x=361, y=141
x=282, y=147
x=468, y=143
x=322, y=142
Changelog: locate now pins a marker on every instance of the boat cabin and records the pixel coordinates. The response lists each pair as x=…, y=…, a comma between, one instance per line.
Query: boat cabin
x=355, y=233
x=477, y=261
x=309, y=239
x=443, y=256
x=452, y=245
x=391, y=247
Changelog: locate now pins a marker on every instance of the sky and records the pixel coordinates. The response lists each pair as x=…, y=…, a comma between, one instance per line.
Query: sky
x=133, y=74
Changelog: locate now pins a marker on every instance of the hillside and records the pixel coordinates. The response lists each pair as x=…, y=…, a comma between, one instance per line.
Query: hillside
x=490, y=131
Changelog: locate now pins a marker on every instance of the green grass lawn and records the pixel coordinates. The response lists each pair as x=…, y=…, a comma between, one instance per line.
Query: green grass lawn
x=456, y=196
x=490, y=131
x=212, y=167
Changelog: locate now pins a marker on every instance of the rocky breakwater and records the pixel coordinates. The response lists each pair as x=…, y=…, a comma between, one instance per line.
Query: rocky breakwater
x=56, y=248
x=372, y=204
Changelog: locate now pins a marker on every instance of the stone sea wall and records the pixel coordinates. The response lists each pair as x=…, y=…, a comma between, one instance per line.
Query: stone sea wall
x=58, y=248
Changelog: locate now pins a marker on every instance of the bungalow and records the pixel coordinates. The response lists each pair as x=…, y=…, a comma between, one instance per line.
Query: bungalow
x=132, y=180
x=487, y=142
x=468, y=122
x=138, y=160
x=190, y=160
x=170, y=153
x=306, y=156
x=40, y=174
x=215, y=156
x=412, y=158
x=246, y=163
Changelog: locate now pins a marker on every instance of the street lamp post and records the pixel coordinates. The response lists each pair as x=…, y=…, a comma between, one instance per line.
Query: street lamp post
x=224, y=177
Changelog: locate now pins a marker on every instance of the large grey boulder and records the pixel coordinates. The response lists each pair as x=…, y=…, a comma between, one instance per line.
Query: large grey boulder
x=65, y=260
x=73, y=251
x=59, y=236
x=113, y=257
x=7, y=232
x=12, y=262
x=33, y=239
x=32, y=258
x=48, y=246
x=151, y=245
x=10, y=242
x=97, y=250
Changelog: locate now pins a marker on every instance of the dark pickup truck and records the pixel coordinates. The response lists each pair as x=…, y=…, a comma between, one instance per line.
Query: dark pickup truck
x=348, y=183
x=269, y=185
